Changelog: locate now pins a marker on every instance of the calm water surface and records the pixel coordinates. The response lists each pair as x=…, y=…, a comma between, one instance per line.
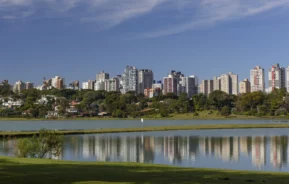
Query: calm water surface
x=243, y=149
x=90, y=124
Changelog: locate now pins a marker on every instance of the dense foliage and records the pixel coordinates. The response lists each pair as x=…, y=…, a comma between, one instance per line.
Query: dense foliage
x=47, y=144
x=115, y=104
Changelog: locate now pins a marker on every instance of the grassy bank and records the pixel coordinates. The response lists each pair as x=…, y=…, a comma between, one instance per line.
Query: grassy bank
x=149, y=129
x=14, y=170
x=203, y=115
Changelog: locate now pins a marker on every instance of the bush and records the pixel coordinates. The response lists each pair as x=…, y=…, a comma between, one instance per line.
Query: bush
x=48, y=142
x=119, y=114
x=210, y=112
x=226, y=111
x=281, y=112
x=196, y=114
x=262, y=110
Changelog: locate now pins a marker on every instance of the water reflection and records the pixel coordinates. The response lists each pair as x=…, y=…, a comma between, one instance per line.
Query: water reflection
x=237, y=152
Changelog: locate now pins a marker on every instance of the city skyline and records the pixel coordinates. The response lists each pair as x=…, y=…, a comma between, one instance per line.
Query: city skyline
x=135, y=79
x=77, y=39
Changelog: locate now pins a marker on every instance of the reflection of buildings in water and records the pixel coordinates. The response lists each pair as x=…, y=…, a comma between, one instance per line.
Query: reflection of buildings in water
x=193, y=144
x=259, y=151
x=235, y=146
x=177, y=148
x=225, y=148
x=278, y=151
x=244, y=146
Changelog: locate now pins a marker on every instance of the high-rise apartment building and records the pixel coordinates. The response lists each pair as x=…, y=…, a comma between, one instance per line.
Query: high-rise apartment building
x=227, y=83
x=99, y=85
x=217, y=83
x=145, y=80
x=189, y=85
x=111, y=84
x=129, y=79
x=207, y=87
x=102, y=76
x=276, y=76
x=29, y=85
x=257, y=79
x=234, y=88
x=88, y=85
x=19, y=86
x=173, y=83
x=74, y=85
x=57, y=82
x=245, y=86
x=170, y=84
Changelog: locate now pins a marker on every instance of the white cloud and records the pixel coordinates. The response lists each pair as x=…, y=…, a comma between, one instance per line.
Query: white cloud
x=109, y=13
x=211, y=12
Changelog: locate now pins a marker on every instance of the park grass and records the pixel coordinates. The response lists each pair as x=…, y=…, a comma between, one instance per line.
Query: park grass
x=202, y=115
x=150, y=129
x=34, y=171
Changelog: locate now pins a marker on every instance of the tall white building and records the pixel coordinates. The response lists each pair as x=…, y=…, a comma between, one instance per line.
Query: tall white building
x=111, y=84
x=207, y=87
x=145, y=80
x=217, y=83
x=257, y=79
x=57, y=82
x=245, y=86
x=18, y=87
x=88, y=85
x=227, y=83
x=129, y=79
x=99, y=85
x=102, y=76
x=276, y=76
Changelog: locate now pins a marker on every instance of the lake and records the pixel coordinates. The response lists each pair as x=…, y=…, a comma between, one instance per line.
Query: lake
x=241, y=149
x=98, y=124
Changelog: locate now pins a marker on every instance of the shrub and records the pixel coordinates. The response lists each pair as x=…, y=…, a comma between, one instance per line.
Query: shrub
x=281, y=112
x=196, y=114
x=119, y=114
x=226, y=111
x=47, y=143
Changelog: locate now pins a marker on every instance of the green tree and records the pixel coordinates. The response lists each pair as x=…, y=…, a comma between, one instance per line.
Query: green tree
x=219, y=99
x=226, y=111
x=119, y=114
x=39, y=146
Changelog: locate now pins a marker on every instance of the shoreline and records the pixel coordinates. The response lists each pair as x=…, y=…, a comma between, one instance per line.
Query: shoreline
x=150, y=129
x=21, y=170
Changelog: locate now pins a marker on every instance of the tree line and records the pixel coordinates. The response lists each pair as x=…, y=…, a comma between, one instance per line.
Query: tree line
x=134, y=105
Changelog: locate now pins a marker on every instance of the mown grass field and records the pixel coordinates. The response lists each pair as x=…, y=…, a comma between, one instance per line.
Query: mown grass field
x=32, y=171
x=150, y=129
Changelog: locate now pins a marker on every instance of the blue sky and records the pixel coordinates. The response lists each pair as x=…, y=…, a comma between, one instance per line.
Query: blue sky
x=76, y=39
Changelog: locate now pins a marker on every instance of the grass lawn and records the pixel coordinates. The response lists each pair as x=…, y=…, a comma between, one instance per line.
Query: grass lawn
x=17, y=171
x=156, y=128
